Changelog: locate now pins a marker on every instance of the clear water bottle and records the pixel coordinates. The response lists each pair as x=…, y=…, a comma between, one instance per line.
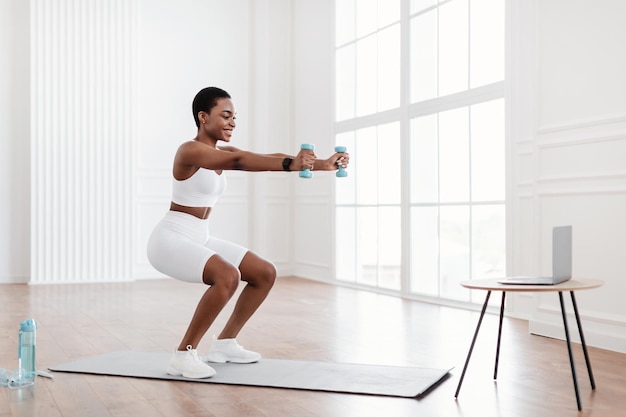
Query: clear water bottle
x=26, y=348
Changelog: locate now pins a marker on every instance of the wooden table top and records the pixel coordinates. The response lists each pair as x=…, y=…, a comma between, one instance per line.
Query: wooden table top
x=492, y=284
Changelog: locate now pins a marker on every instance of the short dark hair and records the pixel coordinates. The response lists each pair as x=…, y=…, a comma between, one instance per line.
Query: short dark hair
x=205, y=100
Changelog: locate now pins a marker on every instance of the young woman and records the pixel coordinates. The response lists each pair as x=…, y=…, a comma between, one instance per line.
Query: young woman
x=181, y=246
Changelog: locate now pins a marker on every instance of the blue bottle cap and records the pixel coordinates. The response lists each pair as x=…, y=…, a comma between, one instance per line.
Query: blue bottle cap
x=28, y=325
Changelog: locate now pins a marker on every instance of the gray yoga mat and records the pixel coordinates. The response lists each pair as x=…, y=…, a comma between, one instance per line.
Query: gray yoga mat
x=395, y=381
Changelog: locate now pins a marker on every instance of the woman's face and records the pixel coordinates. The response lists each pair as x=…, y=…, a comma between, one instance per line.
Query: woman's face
x=220, y=122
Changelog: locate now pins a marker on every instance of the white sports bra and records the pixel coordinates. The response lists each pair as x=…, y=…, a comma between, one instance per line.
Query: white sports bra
x=202, y=189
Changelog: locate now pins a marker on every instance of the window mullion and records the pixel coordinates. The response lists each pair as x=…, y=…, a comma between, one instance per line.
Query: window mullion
x=405, y=132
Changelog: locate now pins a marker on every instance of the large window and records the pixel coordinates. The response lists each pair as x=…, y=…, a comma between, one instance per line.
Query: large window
x=420, y=105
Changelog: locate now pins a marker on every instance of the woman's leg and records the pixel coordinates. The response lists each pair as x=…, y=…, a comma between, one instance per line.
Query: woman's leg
x=223, y=279
x=260, y=276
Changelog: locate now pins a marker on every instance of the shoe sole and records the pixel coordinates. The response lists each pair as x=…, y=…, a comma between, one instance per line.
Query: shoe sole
x=220, y=358
x=176, y=372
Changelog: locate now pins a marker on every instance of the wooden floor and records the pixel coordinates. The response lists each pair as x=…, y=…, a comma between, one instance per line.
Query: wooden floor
x=300, y=320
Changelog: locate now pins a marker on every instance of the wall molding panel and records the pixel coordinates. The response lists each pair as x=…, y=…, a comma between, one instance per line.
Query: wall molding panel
x=607, y=122
x=567, y=144
x=82, y=130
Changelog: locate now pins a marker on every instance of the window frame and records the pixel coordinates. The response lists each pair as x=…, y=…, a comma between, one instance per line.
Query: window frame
x=404, y=114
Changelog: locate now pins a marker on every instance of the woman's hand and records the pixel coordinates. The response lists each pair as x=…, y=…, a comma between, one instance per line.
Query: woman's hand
x=334, y=162
x=304, y=160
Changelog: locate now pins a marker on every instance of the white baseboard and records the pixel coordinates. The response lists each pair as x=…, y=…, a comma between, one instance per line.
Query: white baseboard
x=596, y=333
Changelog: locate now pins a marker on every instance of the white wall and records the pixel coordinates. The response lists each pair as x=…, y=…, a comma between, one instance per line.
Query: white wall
x=313, y=112
x=568, y=156
x=186, y=46
x=269, y=122
x=14, y=141
x=243, y=47
x=247, y=50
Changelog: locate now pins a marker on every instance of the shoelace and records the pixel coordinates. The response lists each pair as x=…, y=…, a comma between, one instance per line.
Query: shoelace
x=193, y=352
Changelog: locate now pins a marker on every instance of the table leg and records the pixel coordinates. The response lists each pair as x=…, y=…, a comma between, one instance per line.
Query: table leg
x=582, y=341
x=569, y=350
x=495, y=369
x=469, y=354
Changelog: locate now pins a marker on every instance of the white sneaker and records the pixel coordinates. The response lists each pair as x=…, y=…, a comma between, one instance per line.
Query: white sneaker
x=189, y=365
x=228, y=350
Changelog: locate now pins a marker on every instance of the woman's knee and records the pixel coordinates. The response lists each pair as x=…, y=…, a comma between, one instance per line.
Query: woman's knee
x=257, y=271
x=231, y=279
x=266, y=274
x=222, y=276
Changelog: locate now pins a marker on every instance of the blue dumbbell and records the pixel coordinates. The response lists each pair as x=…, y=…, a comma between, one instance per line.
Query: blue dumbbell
x=306, y=173
x=341, y=171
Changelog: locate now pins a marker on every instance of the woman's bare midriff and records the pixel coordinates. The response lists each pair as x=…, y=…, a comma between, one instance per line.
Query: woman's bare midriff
x=199, y=212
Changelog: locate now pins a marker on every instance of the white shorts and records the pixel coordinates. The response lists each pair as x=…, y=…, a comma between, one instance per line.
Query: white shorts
x=180, y=247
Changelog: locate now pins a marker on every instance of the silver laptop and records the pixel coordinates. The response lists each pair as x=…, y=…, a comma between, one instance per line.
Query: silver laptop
x=561, y=261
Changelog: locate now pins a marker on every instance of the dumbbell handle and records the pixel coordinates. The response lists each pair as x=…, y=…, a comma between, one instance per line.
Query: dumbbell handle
x=341, y=172
x=306, y=173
